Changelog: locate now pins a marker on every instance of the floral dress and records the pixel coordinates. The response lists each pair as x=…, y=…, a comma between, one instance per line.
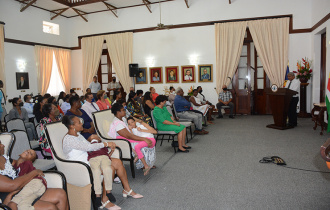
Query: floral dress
x=43, y=139
x=138, y=110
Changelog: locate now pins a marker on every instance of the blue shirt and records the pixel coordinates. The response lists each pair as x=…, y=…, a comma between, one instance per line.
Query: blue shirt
x=181, y=104
x=1, y=96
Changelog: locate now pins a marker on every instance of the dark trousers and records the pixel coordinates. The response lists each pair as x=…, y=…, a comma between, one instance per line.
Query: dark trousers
x=231, y=105
x=292, y=113
x=94, y=95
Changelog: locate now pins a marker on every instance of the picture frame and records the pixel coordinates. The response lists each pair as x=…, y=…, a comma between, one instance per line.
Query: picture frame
x=188, y=74
x=172, y=74
x=142, y=77
x=22, y=80
x=205, y=73
x=156, y=76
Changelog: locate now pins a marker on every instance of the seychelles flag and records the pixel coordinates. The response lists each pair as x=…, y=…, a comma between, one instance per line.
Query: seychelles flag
x=286, y=75
x=328, y=101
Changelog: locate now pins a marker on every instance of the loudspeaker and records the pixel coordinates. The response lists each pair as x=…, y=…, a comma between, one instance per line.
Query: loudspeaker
x=133, y=69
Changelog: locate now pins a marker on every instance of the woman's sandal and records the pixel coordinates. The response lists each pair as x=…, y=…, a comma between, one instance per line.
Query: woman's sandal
x=127, y=194
x=115, y=207
x=146, y=171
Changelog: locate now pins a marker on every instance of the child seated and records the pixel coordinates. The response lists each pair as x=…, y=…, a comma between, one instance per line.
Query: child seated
x=100, y=163
x=143, y=130
x=33, y=190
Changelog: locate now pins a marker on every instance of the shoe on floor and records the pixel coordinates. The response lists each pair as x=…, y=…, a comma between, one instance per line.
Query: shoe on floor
x=185, y=151
x=231, y=116
x=205, y=132
x=198, y=132
x=218, y=117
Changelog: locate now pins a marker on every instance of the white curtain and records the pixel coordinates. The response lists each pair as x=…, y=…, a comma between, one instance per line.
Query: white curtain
x=2, y=58
x=63, y=61
x=44, y=62
x=120, y=48
x=92, y=51
x=229, y=38
x=271, y=39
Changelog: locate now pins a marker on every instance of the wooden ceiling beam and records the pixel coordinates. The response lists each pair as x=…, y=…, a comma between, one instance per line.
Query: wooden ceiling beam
x=186, y=3
x=58, y=12
x=80, y=13
x=147, y=3
x=28, y=3
x=112, y=8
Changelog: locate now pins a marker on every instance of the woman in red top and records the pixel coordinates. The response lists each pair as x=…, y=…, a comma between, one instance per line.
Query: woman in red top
x=102, y=101
x=153, y=93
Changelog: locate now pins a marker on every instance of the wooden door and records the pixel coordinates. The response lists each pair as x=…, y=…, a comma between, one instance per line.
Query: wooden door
x=323, y=76
x=242, y=83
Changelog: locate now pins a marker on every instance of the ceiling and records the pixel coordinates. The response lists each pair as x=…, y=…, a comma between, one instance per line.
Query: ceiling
x=79, y=8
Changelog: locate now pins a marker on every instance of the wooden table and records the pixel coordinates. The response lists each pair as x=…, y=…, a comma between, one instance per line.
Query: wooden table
x=319, y=118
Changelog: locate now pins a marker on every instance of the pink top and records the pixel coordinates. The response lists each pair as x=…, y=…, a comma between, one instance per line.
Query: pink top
x=154, y=96
x=103, y=105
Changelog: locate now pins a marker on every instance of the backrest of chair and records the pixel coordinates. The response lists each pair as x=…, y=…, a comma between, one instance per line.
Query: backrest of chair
x=102, y=121
x=15, y=124
x=21, y=144
x=55, y=133
x=6, y=117
x=8, y=140
x=153, y=119
x=38, y=129
x=176, y=114
x=169, y=109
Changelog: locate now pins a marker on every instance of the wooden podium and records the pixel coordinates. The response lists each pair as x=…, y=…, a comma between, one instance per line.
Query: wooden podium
x=279, y=103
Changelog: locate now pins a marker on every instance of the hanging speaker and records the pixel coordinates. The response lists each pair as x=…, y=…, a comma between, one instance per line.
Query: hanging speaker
x=133, y=69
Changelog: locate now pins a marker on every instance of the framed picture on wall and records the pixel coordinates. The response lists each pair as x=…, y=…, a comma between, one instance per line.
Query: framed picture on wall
x=187, y=74
x=142, y=77
x=205, y=73
x=22, y=80
x=172, y=75
x=156, y=75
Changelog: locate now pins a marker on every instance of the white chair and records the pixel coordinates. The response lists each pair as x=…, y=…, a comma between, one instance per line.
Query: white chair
x=8, y=140
x=77, y=173
x=171, y=134
x=22, y=144
x=184, y=122
x=102, y=121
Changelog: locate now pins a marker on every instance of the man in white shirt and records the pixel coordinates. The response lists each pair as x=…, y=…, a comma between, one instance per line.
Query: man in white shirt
x=89, y=107
x=112, y=86
x=28, y=106
x=95, y=86
x=293, y=84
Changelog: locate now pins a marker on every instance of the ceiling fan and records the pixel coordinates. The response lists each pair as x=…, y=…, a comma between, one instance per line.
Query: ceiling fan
x=160, y=25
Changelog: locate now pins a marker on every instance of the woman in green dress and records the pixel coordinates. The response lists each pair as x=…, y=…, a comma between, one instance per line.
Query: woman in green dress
x=165, y=122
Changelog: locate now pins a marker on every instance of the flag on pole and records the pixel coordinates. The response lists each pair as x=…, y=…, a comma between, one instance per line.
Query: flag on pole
x=328, y=101
x=286, y=75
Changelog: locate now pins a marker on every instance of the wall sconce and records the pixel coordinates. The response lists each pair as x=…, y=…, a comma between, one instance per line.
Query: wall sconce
x=150, y=62
x=194, y=59
x=21, y=65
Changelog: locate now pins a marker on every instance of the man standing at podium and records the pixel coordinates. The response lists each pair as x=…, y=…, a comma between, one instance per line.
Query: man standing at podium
x=293, y=84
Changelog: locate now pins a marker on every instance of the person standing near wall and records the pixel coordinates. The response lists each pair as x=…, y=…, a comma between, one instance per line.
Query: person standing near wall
x=95, y=86
x=112, y=86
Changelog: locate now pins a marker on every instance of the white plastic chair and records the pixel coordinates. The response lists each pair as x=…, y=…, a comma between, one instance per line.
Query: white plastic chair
x=8, y=140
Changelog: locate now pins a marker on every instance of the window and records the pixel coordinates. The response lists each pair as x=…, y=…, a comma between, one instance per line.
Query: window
x=51, y=28
x=55, y=84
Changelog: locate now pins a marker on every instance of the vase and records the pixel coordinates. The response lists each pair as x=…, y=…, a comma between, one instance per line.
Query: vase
x=303, y=80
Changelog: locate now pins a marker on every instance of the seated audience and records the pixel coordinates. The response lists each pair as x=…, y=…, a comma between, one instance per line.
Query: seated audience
x=75, y=147
x=148, y=103
x=88, y=90
x=47, y=96
x=28, y=106
x=61, y=97
x=77, y=111
x=153, y=93
x=225, y=99
x=37, y=108
x=52, y=100
x=51, y=114
x=72, y=92
x=66, y=104
x=172, y=95
x=204, y=101
x=119, y=129
x=89, y=107
x=112, y=86
x=102, y=101
x=182, y=107
x=10, y=184
x=131, y=89
x=165, y=122
x=123, y=103
x=197, y=105
x=135, y=108
x=116, y=96
x=21, y=113
x=139, y=97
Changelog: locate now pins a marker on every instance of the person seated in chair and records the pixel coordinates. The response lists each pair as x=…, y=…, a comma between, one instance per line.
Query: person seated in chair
x=204, y=101
x=28, y=106
x=204, y=108
x=225, y=99
x=183, y=108
x=89, y=107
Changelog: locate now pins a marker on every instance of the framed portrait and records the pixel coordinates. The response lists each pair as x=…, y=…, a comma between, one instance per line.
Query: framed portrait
x=172, y=75
x=156, y=75
x=142, y=77
x=205, y=73
x=22, y=80
x=187, y=74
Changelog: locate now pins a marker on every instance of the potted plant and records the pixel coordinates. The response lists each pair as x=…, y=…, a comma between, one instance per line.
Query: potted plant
x=304, y=72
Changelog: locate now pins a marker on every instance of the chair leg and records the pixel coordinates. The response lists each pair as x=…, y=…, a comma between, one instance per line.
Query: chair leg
x=191, y=135
x=132, y=168
x=173, y=143
x=161, y=143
